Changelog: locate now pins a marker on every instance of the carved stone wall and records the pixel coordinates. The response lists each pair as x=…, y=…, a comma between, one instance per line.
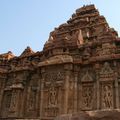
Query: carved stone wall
x=53, y=91
x=78, y=70
x=87, y=92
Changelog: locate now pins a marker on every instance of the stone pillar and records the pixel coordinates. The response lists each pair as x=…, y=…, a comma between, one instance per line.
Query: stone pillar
x=68, y=68
x=41, y=92
x=116, y=92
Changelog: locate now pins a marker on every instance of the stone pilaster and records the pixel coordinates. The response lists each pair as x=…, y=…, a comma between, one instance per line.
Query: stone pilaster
x=42, y=92
x=68, y=68
x=76, y=69
x=22, y=91
x=98, y=94
x=38, y=105
x=23, y=102
x=97, y=86
x=116, y=92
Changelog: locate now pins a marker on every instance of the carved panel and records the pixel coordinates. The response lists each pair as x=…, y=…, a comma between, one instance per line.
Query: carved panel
x=54, y=76
x=32, y=94
x=13, y=104
x=32, y=99
x=87, y=96
x=51, y=106
x=107, y=95
x=52, y=93
x=52, y=96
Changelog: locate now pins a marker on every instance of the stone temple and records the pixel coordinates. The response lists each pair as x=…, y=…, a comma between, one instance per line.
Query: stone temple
x=75, y=76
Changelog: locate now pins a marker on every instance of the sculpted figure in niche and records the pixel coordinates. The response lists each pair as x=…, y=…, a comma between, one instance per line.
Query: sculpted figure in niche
x=87, y=97
x=32, y=100
x=107, y=96
x=52, y=96
x=13, y=101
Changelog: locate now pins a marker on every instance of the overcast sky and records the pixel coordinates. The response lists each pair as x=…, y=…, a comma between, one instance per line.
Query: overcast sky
x=28, y=22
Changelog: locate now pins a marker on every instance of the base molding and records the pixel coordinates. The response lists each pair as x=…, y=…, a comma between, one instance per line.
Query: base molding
x=92, y=115
x=83, y=115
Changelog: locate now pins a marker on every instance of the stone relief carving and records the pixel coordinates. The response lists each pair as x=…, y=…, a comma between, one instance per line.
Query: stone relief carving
x=73, y=43
x=106, y=73
x=53, y=83
x=32, y=99
x=107, y=96
x=52, y=108
x=13, y=101
x=87, y=97
x=52, y=102
x=106, y=49
x=54, y=77
x=87, y=85
x=106, y=69
x=87, y=77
